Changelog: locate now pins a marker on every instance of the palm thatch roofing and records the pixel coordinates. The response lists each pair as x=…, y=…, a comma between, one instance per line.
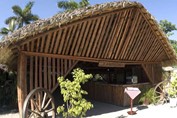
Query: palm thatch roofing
x=61, y=20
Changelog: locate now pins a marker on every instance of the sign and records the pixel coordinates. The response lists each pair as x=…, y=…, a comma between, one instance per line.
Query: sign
x=132, y=92
x=110, y=64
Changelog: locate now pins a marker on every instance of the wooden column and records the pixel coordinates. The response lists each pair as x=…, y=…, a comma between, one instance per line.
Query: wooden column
x=21, y=81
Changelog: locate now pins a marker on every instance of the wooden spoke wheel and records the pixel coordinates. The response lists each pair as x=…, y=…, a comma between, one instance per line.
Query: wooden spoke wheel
x=161, y=90
x=39, y=104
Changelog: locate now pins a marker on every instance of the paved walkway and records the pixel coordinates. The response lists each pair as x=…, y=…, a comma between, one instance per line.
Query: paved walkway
x=103, y=110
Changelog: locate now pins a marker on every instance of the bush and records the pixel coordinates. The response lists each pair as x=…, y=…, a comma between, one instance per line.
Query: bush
x=75, y=105
x=147, y=97
x=8, y=91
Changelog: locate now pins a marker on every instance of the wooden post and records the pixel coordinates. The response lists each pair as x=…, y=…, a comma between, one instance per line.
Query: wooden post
x=21, y=81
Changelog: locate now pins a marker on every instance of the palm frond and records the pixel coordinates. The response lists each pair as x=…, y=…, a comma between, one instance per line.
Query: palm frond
x=12, y=25
x=4, y=31
x=84, y=3
x=8, y=20
x=17, y=10
x=28, y=8
x=68, y=5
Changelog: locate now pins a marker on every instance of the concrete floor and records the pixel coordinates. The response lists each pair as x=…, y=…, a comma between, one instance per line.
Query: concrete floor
x=103, y=110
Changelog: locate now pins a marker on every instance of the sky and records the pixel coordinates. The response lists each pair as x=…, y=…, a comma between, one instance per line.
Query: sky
x=160, y=9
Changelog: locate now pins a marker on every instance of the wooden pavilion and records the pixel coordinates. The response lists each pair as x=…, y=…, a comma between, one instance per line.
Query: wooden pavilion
x=117, y=36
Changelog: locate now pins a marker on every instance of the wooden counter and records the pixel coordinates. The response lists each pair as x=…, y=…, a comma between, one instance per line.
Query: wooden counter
x=112, y=93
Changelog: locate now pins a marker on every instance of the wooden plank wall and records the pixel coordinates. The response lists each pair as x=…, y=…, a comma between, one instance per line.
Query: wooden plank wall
x=112, y=93
x=154, y=72
x=44, y=71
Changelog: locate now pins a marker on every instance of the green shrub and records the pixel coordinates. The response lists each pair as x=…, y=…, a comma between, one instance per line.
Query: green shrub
x=147, y=97
x=8, y=93
x=75, y=105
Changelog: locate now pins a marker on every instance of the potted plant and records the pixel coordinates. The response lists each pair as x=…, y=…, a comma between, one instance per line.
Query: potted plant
x=173, y=93
x=147, y=97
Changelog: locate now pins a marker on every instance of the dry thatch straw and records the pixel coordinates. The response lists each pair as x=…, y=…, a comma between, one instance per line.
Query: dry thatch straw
x=5, y=55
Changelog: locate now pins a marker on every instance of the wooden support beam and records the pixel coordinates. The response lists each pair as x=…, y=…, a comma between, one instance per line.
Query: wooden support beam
x=88, y=59
x=21, y=81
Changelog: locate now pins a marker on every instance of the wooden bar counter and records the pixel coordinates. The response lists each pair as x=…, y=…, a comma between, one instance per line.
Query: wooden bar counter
x=112, y=93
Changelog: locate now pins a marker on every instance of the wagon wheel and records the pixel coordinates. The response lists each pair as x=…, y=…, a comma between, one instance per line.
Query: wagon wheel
x=161, y=92
x=39, y=104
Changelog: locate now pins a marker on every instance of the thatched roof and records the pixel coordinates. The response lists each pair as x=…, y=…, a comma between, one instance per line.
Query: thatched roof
x=62, y=19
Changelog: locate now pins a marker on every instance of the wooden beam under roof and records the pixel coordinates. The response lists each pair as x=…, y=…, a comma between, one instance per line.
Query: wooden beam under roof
x=88, y=59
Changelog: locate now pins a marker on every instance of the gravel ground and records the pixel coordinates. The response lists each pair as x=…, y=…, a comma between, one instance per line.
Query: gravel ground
x=102, y=110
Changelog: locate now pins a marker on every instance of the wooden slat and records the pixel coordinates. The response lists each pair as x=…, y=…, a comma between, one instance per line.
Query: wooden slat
x=67, y=72
x=80, y=38
x=114, y=34
x=83, y=58
x=36, y=72
x=114, y=29
x=42, y=44
x=96, y=44
x=158, y=53
x=123, y=21
x=30, y=38
x=62, y=67
x=76, y=38
x=94, y=35
x=154, y=32
x=119, y=34
x=49, y=74
x=70, y=40
x=57, y=41
x=66, y=40
x=61, y=45
x=140, y=39
x=65, y=66
x=150, y=42
x=130, y=37
x=32, y=46
x=53, y=72
x=102, y=38
x=153, y=50
x=83, y=41
x=105, y=38
x=58, y=68
x=54, y=38
x=28, y=46
x=155, y=54
x=143, y=47
x=135, y=40
x=88, y=38
x=31, y=73
x=47, y=43
x=21, y=81
x=126, y=34
x=45, y=73
x=40, y=72
x=37, y=44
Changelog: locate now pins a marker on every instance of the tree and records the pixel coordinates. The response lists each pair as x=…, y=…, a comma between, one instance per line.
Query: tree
x=167, y=27
x=10, y=29
x=71, y=4
x=75, y=105
x=22, y=16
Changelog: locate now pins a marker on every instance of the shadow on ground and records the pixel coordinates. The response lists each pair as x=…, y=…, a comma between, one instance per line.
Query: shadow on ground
x=103, y=108
x=99, y=107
